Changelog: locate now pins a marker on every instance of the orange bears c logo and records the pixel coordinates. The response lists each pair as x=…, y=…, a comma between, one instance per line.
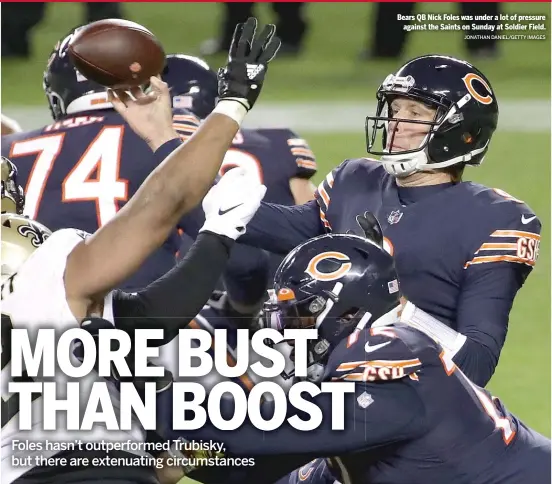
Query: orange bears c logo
x=468, y=81
x=312, y=268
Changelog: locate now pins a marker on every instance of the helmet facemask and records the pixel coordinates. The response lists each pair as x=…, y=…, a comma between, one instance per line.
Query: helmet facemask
x=284, y=311
x=434, y=152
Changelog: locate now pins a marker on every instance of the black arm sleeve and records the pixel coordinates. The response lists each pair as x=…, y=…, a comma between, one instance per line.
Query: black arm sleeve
x=483, y=313
x=174, y=300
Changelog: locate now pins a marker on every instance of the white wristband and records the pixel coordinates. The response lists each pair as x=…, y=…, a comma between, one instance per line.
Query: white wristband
x=234, y=109
x=449, y=339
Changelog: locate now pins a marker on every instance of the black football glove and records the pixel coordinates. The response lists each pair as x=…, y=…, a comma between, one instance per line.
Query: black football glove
x=242, y=78
x=369, y=228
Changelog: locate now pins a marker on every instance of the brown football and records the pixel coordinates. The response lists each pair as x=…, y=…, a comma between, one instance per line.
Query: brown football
x=117, y=53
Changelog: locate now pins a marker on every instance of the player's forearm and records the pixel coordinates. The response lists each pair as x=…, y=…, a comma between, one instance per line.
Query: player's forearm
x=279, y=229
x=483, y=314
x=194, y=165
x=180, y=182
x=484, y=325
x=477, y=362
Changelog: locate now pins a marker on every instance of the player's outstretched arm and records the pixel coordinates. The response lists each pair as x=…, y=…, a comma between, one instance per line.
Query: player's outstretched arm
x=173, y=300
x=117, y=249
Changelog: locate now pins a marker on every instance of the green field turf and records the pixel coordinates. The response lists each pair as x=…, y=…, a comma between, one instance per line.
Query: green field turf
x=517, y=162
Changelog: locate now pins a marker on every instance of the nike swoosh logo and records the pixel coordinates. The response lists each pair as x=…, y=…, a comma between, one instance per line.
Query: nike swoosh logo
x=222, y=212
x=527, y=220
x=369, y=348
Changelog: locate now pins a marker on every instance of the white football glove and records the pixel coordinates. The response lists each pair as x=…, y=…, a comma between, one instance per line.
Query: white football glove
x=231, y=203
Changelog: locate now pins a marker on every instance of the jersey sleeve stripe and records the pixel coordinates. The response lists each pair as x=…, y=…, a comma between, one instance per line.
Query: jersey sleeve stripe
x=325, y=220
x=302, y=152
x=379, y=370
x=185, y=127
x=297, y=142
x=324, y=194
x=308, y=164
x=515, y=233
x=353, y=365
x=493, y=246
x=188, y=119
x=515, y=246
x=499, y=258
x=329, y=181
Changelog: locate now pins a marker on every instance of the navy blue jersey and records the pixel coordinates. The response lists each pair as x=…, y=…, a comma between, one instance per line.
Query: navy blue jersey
x=462, y=250
x=276, y=156
x=414, y=417
x=78, y=172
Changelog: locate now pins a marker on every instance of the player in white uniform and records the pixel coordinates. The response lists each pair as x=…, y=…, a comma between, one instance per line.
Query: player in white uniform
x=58, y=280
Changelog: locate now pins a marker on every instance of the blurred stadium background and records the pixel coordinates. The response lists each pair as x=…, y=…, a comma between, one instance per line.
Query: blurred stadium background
x=325, y=94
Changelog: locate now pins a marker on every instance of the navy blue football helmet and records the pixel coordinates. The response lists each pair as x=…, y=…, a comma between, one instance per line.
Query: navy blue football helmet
x=465, y=119
x=336, y=283
x=67, y=90
x=193, y=85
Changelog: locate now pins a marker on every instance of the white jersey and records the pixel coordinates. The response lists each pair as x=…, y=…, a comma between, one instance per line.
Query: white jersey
x=37, y=298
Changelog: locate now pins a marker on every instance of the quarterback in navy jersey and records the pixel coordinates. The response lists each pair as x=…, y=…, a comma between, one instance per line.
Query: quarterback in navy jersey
x=80, y=170
x=463, y=250
x=281, y=159
x=414, y=417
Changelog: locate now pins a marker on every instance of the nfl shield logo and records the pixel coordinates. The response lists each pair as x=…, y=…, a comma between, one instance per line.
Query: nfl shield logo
x=393, y=286
x=365, y=400
x=394, y=217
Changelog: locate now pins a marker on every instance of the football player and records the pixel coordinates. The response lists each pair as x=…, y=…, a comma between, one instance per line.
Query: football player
x=280, y=158
x=61, y=278
x=80, y=170
x=463, y=250
x=414, y=416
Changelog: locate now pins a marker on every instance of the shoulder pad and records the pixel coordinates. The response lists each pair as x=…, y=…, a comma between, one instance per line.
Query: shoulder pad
x=496, y=199
x=377, y=354
x=353, y=168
